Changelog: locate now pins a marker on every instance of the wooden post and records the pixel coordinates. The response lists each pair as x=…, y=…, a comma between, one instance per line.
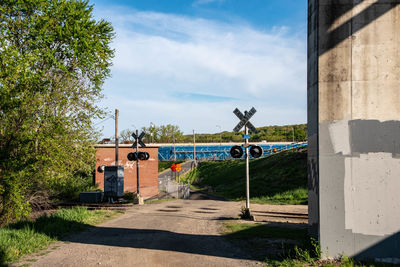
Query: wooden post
x=116, y=138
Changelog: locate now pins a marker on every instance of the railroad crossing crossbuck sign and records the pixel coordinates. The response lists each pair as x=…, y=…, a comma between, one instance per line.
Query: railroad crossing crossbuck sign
x=138, y=139
x=138, y=155
x=245, y=120
x=237, y=151
x=134, y=156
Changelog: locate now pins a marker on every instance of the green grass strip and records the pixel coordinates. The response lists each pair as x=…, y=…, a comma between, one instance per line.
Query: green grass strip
x=26, y=237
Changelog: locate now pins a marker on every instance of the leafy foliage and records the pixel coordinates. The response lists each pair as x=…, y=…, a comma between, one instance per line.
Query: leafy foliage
x=286, y=133
x=161, y=134
x=54, y=57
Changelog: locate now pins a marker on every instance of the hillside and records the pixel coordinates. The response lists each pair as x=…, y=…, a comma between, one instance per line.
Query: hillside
x=278, y=179
x=286, y=133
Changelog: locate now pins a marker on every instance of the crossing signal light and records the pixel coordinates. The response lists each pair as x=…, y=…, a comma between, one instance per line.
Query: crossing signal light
x=256, y=151
x=141, y=156
x=132, y=156
x=236, y=152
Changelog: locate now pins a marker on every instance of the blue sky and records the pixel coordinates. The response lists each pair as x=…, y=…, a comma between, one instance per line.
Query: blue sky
x=191, y=63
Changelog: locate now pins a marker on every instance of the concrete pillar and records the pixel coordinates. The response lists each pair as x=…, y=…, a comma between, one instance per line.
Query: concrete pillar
x=354, y=127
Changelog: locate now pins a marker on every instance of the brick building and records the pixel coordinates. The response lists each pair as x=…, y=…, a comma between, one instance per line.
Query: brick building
x=148, y=170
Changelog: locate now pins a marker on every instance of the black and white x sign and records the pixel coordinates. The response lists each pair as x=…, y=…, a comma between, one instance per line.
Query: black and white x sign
x=138, y=139
x=245, y=120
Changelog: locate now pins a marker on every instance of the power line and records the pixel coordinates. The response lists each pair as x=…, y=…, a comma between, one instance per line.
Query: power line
x=110, y=117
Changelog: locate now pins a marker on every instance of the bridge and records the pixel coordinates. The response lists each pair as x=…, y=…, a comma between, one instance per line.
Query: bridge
x=168, y=152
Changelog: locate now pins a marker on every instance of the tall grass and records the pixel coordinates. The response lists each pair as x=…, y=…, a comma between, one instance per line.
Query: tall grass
x=26, y=237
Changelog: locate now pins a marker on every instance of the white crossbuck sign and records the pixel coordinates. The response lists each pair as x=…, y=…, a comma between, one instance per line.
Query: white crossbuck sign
x=138, y=139
x=245, y=120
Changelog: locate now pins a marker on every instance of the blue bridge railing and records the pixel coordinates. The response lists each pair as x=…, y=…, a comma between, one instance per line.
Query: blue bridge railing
x=214, y=152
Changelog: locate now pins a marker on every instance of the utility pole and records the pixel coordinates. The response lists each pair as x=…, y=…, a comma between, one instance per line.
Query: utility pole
x=151, y=132
x=285, y=134
x=173, y=140
x=220, y=135
x=116, y=137
x=194, y=148
x=292, y=134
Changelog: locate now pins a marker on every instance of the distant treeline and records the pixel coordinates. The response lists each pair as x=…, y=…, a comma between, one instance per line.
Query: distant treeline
x=285, y=133
x=171, y=133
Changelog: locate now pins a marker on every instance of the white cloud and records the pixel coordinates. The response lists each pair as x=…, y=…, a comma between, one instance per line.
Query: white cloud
x=159, y=55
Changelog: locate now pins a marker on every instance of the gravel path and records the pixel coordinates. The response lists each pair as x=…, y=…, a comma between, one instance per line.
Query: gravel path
x=172, y=233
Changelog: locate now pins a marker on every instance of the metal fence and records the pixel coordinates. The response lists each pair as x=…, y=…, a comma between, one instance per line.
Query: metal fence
x=178, y=190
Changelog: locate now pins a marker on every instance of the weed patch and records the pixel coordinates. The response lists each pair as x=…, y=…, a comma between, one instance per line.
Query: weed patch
x=26, y=237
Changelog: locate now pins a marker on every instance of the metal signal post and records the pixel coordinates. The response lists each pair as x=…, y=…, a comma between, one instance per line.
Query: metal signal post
x=237, y=151
x=137, y=165
x=246, y=144
x=138, y=156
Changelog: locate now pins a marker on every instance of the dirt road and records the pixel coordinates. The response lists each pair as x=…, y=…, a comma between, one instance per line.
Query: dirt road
x=173, y=233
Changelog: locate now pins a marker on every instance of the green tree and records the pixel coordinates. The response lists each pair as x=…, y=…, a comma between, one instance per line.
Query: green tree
x=163, y=133
x=54, y=58
x=126, y=135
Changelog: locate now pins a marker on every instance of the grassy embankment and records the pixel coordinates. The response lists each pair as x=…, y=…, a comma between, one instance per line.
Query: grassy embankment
x=26, y=237
x=163, y=165
x=278, y=179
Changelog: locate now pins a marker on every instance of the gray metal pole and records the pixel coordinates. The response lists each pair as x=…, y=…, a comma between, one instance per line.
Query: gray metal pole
x=292, y=134
x=137, y=163
x=194, y=148
x=173, y=139
x=151, y=132
x=246, y=142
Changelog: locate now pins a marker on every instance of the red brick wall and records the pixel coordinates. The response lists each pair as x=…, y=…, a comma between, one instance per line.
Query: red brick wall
x=148, y=169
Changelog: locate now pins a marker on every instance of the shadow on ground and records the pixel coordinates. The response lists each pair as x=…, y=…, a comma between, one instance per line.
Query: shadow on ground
x=153, y=239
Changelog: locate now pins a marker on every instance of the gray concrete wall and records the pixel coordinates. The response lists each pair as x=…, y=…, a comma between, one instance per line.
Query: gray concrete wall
x=354, y=127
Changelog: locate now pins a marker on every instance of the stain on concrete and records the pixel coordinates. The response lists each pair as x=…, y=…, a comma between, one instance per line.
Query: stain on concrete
x=373, y=136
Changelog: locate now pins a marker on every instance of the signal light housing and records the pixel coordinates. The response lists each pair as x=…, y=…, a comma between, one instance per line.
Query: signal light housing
x=236, y=152
x=132, y=156
x=256, y=151
x=143, y=156
x=135, y=156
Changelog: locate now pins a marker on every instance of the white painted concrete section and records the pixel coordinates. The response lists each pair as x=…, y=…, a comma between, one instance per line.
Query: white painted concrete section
x=372, y=194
